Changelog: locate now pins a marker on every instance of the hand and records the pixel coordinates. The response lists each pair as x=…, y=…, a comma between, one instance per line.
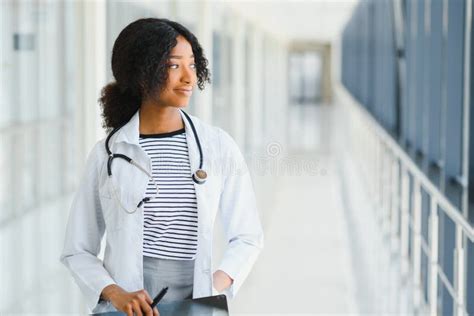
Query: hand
x=131, y=303
x=221, y=280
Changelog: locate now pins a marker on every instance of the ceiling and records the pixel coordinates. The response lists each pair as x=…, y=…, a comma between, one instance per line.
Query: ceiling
x=295, y=20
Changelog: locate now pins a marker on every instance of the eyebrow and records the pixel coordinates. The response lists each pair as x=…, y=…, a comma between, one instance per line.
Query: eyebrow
x=179, y=57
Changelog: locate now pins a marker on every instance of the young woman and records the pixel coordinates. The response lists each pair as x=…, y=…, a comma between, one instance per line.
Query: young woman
x=155, y=184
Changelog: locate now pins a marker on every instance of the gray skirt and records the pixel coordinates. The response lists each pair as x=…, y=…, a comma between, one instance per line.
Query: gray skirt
x=177, y=275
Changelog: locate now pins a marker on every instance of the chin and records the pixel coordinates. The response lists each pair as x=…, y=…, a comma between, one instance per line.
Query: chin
x=182, y=104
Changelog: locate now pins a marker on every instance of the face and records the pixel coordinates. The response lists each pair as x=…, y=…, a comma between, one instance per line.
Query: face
x=181, y=75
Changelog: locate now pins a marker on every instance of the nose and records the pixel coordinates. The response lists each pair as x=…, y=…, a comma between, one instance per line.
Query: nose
x=188, y=75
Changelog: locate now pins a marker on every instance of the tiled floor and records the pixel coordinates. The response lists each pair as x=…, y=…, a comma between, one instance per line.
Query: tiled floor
x=305, y=267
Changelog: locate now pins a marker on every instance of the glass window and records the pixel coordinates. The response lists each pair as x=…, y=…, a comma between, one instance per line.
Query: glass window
x=454, y=66
x=305, y=77
x=434, y=91
x=6, y=181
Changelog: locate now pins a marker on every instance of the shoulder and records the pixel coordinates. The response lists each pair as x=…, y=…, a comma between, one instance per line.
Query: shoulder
x=97, y=156
x=205, y=129
x=98, y=150
x=216, y=135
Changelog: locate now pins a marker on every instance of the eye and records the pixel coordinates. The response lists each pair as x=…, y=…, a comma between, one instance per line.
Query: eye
x=173, y=65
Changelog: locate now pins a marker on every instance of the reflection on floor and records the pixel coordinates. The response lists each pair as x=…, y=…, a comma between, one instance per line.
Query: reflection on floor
x=305, y=266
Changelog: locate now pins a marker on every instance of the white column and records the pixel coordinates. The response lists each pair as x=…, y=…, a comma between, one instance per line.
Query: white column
x=267, y=79
x=204, y=35
x=94, y=69
x=274, y=97
x=238, y=80
x=282, y=90
x=274, y=104
x=255, y=86
x=173, y=14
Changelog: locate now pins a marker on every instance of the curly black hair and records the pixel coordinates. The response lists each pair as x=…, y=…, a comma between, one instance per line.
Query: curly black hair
x=139, y=66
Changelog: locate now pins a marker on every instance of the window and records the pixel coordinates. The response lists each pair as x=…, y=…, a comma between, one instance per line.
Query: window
x=305, y=77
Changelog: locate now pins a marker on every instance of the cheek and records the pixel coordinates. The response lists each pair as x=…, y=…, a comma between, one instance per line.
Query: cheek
x=174, y=77
x=167, y=94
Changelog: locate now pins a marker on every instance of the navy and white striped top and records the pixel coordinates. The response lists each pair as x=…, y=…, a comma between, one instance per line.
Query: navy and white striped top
x=170, y=221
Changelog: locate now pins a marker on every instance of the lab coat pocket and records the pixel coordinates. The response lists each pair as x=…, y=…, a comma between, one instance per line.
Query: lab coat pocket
x=113, y=216
x=112, y=211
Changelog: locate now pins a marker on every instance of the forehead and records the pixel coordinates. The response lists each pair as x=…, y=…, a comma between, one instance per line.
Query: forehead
x=183, y=49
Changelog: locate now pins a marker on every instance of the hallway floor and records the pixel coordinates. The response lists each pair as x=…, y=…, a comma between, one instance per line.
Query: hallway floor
x=305, y=267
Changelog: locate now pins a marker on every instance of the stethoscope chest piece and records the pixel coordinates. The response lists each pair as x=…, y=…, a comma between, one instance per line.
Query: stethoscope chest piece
x=200, y=176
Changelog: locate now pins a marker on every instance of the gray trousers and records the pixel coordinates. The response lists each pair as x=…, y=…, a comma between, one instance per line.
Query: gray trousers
x=177, y=275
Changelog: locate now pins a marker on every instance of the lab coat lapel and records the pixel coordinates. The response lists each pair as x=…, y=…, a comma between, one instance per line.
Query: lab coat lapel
x=129, y=133
x=129, y=181
x=202, y=267
x=194, y=158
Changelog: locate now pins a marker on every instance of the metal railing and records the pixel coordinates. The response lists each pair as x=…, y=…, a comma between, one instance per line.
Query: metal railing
x=390, y=173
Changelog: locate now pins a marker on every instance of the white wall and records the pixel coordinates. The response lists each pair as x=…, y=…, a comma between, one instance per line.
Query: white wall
x=50, y=120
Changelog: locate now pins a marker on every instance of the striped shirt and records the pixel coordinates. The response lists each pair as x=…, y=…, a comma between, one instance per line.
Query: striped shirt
x=170, y=221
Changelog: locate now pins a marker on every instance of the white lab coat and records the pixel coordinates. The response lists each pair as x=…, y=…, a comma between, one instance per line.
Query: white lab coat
x=227, y=191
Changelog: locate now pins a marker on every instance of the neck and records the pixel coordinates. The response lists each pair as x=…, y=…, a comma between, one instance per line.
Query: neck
x=156, y=119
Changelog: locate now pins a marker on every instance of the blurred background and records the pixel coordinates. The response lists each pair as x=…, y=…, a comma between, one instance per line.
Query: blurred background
x=354, y=116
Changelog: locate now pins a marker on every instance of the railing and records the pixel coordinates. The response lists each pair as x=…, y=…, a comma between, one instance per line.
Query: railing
x=388, y=170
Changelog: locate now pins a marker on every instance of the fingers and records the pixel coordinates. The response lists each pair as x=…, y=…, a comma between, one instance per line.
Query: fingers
x=150, y=301
x=129, y=310
x=146, y=308
x=137, y=307
x=139, y=304
x=147, y=297
x=145, y=302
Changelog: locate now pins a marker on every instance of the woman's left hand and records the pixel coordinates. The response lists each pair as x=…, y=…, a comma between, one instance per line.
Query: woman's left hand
x=221, y=280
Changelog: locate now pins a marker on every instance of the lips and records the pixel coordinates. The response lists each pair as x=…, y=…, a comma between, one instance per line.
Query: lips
x=186, y=92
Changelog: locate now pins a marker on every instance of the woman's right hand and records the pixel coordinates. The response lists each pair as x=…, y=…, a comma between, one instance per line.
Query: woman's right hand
x=132, y=303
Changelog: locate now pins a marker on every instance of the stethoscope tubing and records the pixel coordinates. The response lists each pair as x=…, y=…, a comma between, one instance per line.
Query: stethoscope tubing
x=199, y=177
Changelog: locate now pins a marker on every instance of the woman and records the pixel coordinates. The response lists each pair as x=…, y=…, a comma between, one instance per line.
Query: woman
x=158, y=209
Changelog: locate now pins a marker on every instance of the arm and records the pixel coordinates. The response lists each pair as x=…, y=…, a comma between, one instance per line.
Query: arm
x=239, y=215
x=84, y=232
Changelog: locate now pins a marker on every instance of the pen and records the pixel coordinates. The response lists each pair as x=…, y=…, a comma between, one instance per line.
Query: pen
x=159, y=297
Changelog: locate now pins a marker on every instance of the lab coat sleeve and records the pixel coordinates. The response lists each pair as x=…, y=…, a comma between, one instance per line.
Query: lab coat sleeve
x=239, y=216
x=84, y=232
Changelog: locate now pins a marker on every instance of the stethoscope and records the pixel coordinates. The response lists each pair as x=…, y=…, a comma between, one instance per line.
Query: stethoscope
x=199, y=177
